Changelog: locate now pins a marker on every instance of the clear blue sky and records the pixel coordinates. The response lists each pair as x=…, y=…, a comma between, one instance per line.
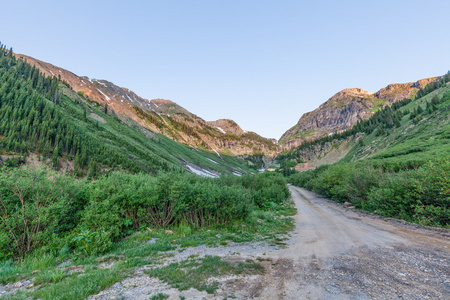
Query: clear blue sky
x=260, y=63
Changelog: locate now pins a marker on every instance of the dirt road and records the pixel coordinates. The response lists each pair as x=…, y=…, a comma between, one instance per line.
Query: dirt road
x=340, y=253
x=334, y=253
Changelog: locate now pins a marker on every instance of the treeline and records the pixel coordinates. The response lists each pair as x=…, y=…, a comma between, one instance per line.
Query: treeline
x=150, y=117
x=153, y=118
x=47, y=212
x=417, y=113
x=45, y=86
x=420, y=195
x=193, y=132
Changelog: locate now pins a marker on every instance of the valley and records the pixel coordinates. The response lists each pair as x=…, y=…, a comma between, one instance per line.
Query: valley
x=108, y=195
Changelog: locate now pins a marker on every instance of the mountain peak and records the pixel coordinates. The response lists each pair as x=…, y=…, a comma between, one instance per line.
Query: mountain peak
x=353, y=91
x=160, y=101
x=349, y=93
x=344, y=109
x=227, y=125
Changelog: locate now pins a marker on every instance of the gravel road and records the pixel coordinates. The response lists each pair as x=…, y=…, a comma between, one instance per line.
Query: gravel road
x=340, y=253
x=335, y=252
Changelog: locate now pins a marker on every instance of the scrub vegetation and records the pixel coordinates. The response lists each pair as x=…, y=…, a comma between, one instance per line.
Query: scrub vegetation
x=45, y=212
x=400, y=163
x=54, y=228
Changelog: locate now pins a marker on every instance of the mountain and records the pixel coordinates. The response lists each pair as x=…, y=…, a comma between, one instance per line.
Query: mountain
x=405, y=134
x=45, y=122
x=163, y=116
x=345, y=109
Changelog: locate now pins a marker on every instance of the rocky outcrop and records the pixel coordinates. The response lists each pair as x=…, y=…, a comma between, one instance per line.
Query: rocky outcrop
x=344, y=109
x=398, y=91
x=162, y=116
x=227, y=126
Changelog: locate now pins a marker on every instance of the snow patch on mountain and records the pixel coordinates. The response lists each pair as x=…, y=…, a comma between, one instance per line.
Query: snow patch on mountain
x=221, y=130
x=212, y=161
x=100, y=83
x=107, y=98
x=201, y=172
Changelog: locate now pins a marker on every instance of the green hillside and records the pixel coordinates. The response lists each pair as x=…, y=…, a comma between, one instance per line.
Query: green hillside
x=399, y=163
x=42, y=115
x=78, y=185
x=422, y=135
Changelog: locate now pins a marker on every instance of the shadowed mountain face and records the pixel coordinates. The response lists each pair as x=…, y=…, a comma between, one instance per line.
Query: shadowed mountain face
x=344, y=109
x=163, y=116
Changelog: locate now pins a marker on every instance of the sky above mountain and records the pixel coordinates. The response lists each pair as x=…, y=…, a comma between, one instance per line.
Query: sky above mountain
x=260, y=63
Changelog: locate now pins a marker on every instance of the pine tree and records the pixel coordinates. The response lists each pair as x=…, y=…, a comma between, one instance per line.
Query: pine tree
x=419, y=110
x=55, y=157
x=76, y=161
x=93, y=170
x=47, y=149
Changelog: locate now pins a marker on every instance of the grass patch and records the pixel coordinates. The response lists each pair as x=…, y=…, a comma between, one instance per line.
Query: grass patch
x=80, y=287
x=197, y=273
x=160, y=296
x=53, y=276
x=11, y=271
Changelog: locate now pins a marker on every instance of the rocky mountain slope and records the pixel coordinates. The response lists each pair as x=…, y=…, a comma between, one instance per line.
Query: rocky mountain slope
x=163, y=116
x=344, y=109
x=409, y=133
x=46, y=123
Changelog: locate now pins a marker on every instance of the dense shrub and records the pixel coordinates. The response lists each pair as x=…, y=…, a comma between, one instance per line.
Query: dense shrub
x=360, y=182
x=265, y=188
x=331, y=182
x=123, y=202
x=50, y=212
x=34, y=208
x=419, y=195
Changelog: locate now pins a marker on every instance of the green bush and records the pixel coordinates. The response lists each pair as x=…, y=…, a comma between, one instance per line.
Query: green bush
x=420, y=194
x=122, y=202
x=266, y=188
x=331, y=182
x=34, y=206
x=360, y=182
x=42, y=211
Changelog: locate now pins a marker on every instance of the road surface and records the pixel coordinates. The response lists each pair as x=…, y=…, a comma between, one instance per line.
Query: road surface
x=340, y=253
